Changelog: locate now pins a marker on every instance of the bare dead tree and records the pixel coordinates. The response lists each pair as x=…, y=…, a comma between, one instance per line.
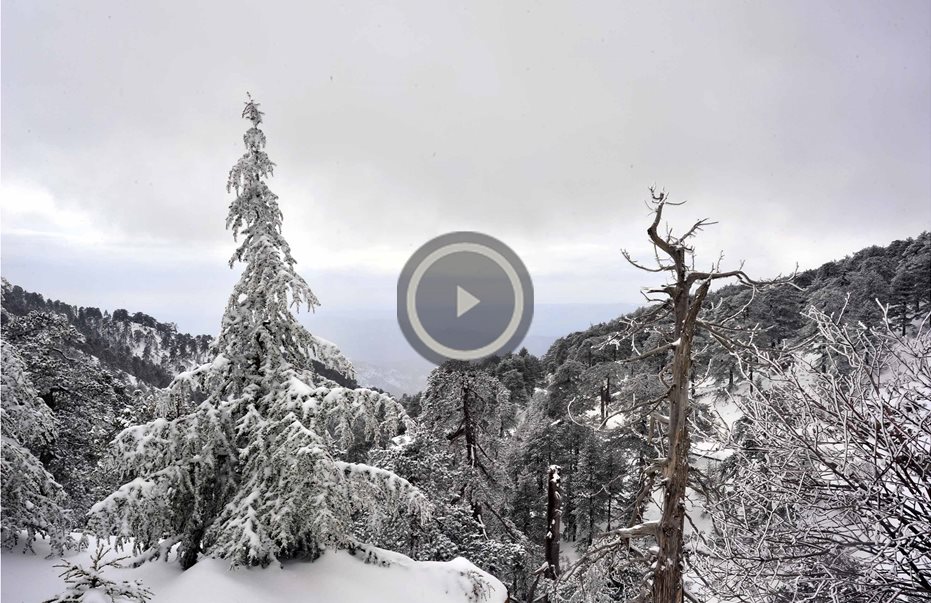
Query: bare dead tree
x=553, y=521
x=676, y=315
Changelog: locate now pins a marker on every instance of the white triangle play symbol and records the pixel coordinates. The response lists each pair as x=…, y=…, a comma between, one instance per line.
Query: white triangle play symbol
x=465, y=301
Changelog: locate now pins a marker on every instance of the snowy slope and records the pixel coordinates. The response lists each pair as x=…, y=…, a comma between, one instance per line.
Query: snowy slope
x=337, y=577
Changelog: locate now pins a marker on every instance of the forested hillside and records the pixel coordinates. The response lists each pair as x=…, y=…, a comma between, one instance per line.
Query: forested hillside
x=601, y=411
x=526, y=416
x=897, y=275
x=486, y=476
x=136, y=344
x=140, y=346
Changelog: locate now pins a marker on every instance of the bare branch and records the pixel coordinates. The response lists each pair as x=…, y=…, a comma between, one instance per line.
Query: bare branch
x=639, y=266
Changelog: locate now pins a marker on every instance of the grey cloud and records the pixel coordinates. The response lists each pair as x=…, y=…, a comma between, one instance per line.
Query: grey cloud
x=803, y=127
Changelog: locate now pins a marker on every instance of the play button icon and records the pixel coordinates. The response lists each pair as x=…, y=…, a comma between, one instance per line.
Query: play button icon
x=465, y=301
x=464, y=296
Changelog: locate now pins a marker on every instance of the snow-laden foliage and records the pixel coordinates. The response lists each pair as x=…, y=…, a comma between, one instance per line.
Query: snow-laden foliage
x=453, y=530
x=26, y=417
x=31, y=498
x=89, y=585
x=829, y=498
x=258, y=324
x=134, y=345
x=456, y=456
x=468, y=407
x=256, y=472
x=331, y=359
x=86, y=400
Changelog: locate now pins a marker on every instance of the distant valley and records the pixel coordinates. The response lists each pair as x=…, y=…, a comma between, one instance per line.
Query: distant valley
x=371, y=338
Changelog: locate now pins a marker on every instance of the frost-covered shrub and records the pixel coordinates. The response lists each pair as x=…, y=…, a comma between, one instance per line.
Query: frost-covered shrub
x=88, y=584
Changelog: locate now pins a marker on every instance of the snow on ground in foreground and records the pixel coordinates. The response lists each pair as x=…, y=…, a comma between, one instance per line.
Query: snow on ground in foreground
x=337, y=577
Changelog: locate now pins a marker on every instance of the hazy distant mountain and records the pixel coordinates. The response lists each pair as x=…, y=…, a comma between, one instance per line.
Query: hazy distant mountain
x=153, y=351
x=372, y=339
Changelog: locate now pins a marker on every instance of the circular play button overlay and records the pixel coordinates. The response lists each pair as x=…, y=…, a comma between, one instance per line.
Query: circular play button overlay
x=464, y=296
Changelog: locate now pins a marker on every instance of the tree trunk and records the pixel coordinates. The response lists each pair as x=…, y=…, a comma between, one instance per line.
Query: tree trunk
x=468, y=425
x=553, y=517
x=673, y=471
x=192, y=548
x=608, y=528
x=667, y=581
x=605, y=399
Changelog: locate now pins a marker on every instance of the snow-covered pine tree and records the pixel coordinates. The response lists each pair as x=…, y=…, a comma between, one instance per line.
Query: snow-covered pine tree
x=466, y=405
x=458, y=454
x=31, y=497
x=85, y=399
x=254, y=473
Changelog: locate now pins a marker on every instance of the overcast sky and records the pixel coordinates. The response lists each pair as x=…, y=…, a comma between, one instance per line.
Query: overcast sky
x=802, y=127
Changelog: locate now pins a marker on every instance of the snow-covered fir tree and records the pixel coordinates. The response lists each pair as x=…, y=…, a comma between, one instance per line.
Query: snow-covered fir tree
x=468, y=407
x=454, y=531
x=458, y=456
x=255, y=473
x=32, y=499
x=85, y=399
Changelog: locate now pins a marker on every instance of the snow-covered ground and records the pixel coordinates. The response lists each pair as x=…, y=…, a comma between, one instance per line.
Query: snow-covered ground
x=337, y=577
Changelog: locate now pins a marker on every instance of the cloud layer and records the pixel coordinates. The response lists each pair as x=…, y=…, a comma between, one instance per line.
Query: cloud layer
x=804, y=128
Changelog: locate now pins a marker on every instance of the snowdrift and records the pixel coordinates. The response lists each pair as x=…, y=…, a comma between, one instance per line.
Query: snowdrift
x=336, y=577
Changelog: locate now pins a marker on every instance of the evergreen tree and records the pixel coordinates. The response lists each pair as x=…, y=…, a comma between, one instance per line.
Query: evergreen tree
x=31, y=498
x=468, y=406
x=466, y=417
x=520, y=373
x=533, y=449
x=911, y=285
x=592, y=495
x=86, y=400
x=454, y=531
x=903, y=287
x=255, y=473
